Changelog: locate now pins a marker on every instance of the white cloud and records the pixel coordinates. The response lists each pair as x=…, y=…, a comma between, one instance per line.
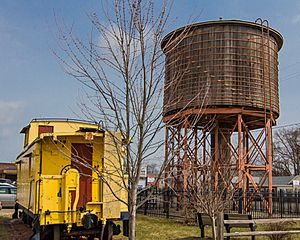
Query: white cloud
x=113, y=33
x=296, y=19
x=9, y=111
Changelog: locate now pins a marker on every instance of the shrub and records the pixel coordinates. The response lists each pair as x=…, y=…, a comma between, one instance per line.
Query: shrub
x=280, y=226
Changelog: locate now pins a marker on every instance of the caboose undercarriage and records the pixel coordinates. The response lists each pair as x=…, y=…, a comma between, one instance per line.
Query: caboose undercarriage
x=92, y=227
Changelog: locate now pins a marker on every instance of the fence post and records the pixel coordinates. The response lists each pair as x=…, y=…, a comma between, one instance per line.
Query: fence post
x=255, y=205
x=241, y=200
x=297, y=202
x=168, y=203
x=146, y=203
x=281, y=202
x=164, y=200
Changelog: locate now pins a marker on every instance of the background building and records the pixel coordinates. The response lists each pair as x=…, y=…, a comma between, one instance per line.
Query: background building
x=8, y=170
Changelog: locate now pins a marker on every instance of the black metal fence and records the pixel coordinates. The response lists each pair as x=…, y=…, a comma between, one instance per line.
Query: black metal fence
x=168, y=203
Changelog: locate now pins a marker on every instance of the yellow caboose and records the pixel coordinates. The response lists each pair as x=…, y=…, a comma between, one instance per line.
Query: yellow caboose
x=71, y=180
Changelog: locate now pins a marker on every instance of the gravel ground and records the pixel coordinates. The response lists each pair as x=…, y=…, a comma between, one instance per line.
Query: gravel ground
x=13, y=229
x=6, y=212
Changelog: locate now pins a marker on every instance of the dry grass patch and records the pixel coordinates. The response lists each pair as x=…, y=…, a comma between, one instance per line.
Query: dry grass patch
x=149, y=228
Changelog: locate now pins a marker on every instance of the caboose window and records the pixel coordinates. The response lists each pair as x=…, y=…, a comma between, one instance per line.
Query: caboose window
x=45, y=129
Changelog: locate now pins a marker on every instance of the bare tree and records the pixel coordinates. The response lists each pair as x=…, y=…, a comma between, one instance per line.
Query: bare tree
x=287, y=152
x=122, y=66
x=213, y=197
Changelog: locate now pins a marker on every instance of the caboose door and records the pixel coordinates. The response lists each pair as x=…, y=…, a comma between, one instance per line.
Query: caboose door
x=81, y=158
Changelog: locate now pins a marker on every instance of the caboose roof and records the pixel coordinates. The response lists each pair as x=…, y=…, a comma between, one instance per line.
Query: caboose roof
x=57, y=126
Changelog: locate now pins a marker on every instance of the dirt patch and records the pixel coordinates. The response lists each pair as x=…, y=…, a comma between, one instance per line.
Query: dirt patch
x=17, y=230
x=12, y=229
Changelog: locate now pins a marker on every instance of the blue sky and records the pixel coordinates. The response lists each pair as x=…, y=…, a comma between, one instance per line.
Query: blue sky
x=33, y=84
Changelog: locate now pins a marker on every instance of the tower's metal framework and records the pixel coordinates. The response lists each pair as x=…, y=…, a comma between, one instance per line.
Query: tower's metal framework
x=190, y=147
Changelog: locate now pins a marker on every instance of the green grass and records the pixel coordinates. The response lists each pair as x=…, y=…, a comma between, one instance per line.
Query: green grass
x=159, y=228
x=162, y=228
x=155, y=228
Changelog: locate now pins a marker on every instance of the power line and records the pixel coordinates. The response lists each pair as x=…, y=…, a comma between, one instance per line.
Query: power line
x=278, y=127
x=288, y=125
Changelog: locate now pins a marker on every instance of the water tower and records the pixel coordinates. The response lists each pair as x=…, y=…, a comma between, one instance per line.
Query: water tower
x=220, y=102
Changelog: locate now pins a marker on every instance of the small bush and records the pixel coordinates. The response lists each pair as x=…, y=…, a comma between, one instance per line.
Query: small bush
x=280, y=226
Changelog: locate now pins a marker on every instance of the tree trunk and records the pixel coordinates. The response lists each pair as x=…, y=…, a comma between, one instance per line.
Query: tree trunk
x=220, y=225
x=132, y=212
x=214, y=231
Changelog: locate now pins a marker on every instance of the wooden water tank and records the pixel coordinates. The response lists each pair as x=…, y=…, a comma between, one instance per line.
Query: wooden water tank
x=217, y=64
